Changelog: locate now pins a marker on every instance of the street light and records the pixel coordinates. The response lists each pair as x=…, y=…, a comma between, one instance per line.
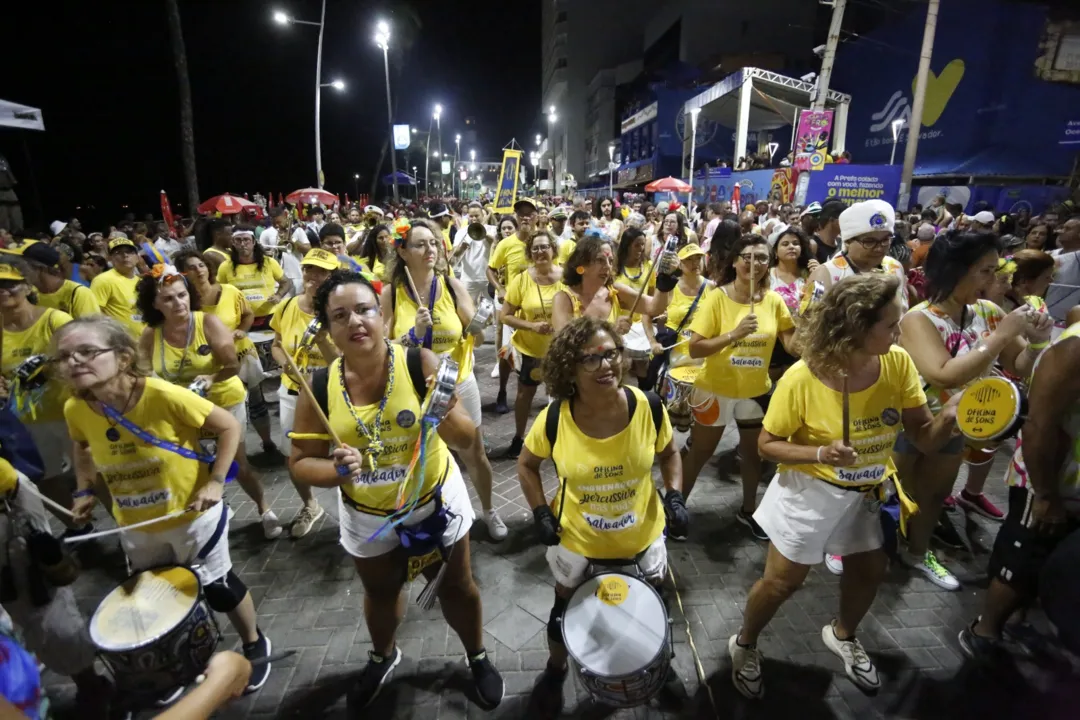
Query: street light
x=416, y=183
x=435, y=154
x=356, y=185
x=896, y=125
x=438, y=131
x=427, y=149
x=693, y=144
x=457, y=157
x=282, y=19
x=536, y=173
x=472, y=155
x=610, y=171
x=382, y=39
x=552, y=117
x=537, y=139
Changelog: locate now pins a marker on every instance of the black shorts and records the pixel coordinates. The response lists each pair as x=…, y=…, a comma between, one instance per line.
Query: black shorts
x=1019, y=551
x=529, y=373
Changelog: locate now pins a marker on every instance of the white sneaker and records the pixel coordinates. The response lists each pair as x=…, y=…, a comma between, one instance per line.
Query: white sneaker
x=745, y=669
x=306, y=519
x=934, y=571
x=495, y=370
x=857, y=663
x=496, y=527
x=271, y=525
x=835, y=563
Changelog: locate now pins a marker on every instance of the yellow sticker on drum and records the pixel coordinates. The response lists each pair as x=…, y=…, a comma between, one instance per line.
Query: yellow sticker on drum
x=144, y=607
x=613, y=591
x=988, y=409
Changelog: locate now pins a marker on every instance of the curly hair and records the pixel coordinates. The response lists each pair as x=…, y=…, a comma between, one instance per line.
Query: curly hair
x=146, y=293
x=587, y=250
x=337, y=279
x=835, y=327
x=180, y=261
x=564, y=355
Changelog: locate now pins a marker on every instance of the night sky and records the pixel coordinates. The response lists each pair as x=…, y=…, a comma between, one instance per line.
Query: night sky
x=105, y=81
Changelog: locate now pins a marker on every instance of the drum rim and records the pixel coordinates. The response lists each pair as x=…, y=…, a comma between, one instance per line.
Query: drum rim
x=1012, y=426
x=665, y=645
x=200, y=599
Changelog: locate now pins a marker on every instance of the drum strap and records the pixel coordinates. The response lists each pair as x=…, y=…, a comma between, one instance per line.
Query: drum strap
x=682, y=324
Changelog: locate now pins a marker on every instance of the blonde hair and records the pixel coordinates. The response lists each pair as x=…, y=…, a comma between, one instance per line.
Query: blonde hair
x=115, y=336
x=836, y=327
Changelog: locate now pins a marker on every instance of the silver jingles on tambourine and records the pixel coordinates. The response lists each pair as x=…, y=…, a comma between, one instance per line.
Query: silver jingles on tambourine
x=437, y=402
x=200, y=387
x=30, y=373
x=310, y=332
x=669, y=258
x=483, y=317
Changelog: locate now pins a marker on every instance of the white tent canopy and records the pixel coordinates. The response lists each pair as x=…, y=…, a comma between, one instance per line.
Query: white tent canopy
x=20, y=116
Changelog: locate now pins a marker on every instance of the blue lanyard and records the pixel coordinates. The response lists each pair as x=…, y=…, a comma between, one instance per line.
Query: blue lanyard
x=165, y=444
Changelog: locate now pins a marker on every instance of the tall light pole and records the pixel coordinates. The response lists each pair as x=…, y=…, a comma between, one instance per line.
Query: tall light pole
x=552, y=117
x=284, y=19
x=457, y=159
x=438, y=131
x=356, y=185
x=611, y=172
x=416, y=183
x=896, y=125
x=535, y=158
x=382, y=39
x=693, y=146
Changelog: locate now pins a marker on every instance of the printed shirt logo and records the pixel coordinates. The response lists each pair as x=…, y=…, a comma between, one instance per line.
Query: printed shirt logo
x=890, y=416
x=406, y=419
x=143, y=500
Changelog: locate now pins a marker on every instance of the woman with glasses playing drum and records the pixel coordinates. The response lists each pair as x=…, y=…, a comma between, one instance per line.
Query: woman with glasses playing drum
x=141, y=435
x=374, y=402
x=527, y=308
x=436, y=321
x=606, y=507
x=195, y=350
x=828, y=489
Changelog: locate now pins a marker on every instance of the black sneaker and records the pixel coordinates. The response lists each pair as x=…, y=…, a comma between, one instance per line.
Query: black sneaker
x=946, y=534
x=547, y=696
x=260, y=671
x=978, y=647
x=489, y=683
x=371, y=681
x=500, y=404
x=748, y=520
x=515, y=447
x=269, y=458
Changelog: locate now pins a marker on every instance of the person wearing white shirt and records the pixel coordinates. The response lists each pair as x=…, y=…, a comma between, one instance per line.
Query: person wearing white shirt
x=291, y=251
x=470, y=256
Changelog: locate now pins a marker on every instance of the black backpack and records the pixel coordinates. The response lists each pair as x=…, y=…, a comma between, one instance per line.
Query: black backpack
x=321, y=379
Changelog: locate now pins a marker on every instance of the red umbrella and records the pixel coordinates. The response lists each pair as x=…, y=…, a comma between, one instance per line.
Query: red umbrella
x=311, y=196
x=668, y=184
x=225, y=204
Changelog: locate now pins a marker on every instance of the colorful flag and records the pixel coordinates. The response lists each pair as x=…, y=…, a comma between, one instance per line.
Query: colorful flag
x=166, y=213
x=506, y=190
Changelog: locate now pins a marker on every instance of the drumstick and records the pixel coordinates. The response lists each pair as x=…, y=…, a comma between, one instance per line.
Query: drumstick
x=125, y=528
x=311, y=396
x=645, y=285
x=847, y=414
x=752, y=286
x=412, y=286
x=54, y=505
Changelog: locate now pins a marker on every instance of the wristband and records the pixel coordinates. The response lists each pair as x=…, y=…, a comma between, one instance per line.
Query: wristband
x=819, y=449
x=1039, y=346
x=89, y=492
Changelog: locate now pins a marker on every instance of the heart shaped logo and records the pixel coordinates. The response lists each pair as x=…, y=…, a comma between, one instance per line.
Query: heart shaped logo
x=939, y=88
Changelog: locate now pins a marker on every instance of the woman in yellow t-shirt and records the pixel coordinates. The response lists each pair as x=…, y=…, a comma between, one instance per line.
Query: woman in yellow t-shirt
x=527, y=309
x=193, y=349
x=258, y=277
x=827, y=492
x=123, y=426
x=375, y=252
x=686, y=299
x=436, y=321
x=606, y=436
x=508, y=259
x=374, y=405
x=633, y=270
x=299, y=336
x=38, y=398
x=734, y=383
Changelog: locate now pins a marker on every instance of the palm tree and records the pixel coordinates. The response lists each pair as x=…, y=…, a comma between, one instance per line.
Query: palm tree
x=187, y=117
x=406, y=29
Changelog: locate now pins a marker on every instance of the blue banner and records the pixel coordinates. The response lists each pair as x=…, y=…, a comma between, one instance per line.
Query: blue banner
x=854, y=183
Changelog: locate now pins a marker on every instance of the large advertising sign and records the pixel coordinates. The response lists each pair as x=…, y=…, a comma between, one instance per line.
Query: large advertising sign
x=854, y=183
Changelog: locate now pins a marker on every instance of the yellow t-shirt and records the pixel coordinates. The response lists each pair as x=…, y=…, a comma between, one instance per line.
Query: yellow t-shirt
x=634, y=281
x=290, y=323
x=525, y=294
x=229, y=310
x=145, y=481
x=181, y=368
x=611, y=510
x=807, y=412
x=257, y=286
x=115, y=296
x=377, y=491
x=224, y=255
x=509, y=259
x=18, y=346
x=72, y=298
x=676, y=312
x=446, y=326
x=740, y=370
x=378, y=271
x=566, y=249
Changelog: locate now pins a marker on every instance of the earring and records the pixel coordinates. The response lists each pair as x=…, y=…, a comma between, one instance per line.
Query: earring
x=580, y=269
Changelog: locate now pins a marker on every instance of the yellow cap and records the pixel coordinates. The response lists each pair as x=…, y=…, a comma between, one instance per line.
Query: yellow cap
x=321, y=258
x=27, y=242
x=9, y=272
x=689, y=251
x=9, y=479
x=121, y=242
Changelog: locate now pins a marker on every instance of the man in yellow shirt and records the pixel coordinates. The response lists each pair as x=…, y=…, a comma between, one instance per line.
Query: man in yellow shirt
x=579, y=223
x=115, y=289
x=55, y=290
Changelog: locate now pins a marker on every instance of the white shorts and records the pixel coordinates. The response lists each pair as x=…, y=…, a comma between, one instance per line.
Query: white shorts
x=805, y=518
x=468, y=394
x=712, y=410
x=239, y=411
x=571, y=569
x=179, y=546
x=286, y=416
x=53, y=444
x=357, y=527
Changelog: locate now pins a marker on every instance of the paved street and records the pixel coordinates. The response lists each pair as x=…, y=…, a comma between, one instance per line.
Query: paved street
x=309, y=599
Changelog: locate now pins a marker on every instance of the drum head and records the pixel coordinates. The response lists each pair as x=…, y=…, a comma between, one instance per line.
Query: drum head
x=614, y=625
x=261, y=336
x=685, y=373
x=147, y=606
x=988, y=409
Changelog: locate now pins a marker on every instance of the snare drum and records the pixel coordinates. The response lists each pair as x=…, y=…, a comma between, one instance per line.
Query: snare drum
x=636, y=345
x=263, y=340
x=616, y=630
x=155, y=632
x=993, y=408
x=676, y=391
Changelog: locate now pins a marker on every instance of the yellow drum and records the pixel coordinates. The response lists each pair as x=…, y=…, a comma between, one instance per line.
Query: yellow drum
x=991, y=409
x=676, y=390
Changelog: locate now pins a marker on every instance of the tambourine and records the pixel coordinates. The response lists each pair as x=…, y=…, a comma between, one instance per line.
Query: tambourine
x=200, y=387
x=310, y=332
x=30, y=373
x=483, y=317
x=993, y=408
x=668, y=261
x=437, y=402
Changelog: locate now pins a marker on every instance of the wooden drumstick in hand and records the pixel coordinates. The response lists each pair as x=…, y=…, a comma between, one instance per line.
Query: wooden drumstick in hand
x=847, y=414
x=412, y=286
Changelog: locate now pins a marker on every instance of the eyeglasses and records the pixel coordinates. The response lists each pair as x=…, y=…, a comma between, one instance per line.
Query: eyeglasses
x=540, y=248
x=80, y=355
x=591, y=362
x=872, y=244
x=754, y=257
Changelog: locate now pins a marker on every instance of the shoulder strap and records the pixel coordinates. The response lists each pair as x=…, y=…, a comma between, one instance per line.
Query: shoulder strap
x=320, y=381
x=551, y=423
x=690, y=310
x=656, y=408
x=450, y=289
x=415, y=364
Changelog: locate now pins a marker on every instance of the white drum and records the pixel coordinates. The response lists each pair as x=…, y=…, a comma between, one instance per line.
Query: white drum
x=636, y=345
x=263, y=339
x=616, y=630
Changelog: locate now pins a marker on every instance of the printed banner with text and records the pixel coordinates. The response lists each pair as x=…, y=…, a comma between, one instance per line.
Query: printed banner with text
x=506, y=190
x=854, y=183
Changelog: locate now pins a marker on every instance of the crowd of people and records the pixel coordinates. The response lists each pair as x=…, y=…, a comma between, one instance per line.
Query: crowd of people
x=838, y=339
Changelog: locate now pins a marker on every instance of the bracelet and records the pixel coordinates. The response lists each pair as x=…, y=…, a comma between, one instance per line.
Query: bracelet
x=819, y=449
x=88, y=492
x=1039, y=346
x=409, y=339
